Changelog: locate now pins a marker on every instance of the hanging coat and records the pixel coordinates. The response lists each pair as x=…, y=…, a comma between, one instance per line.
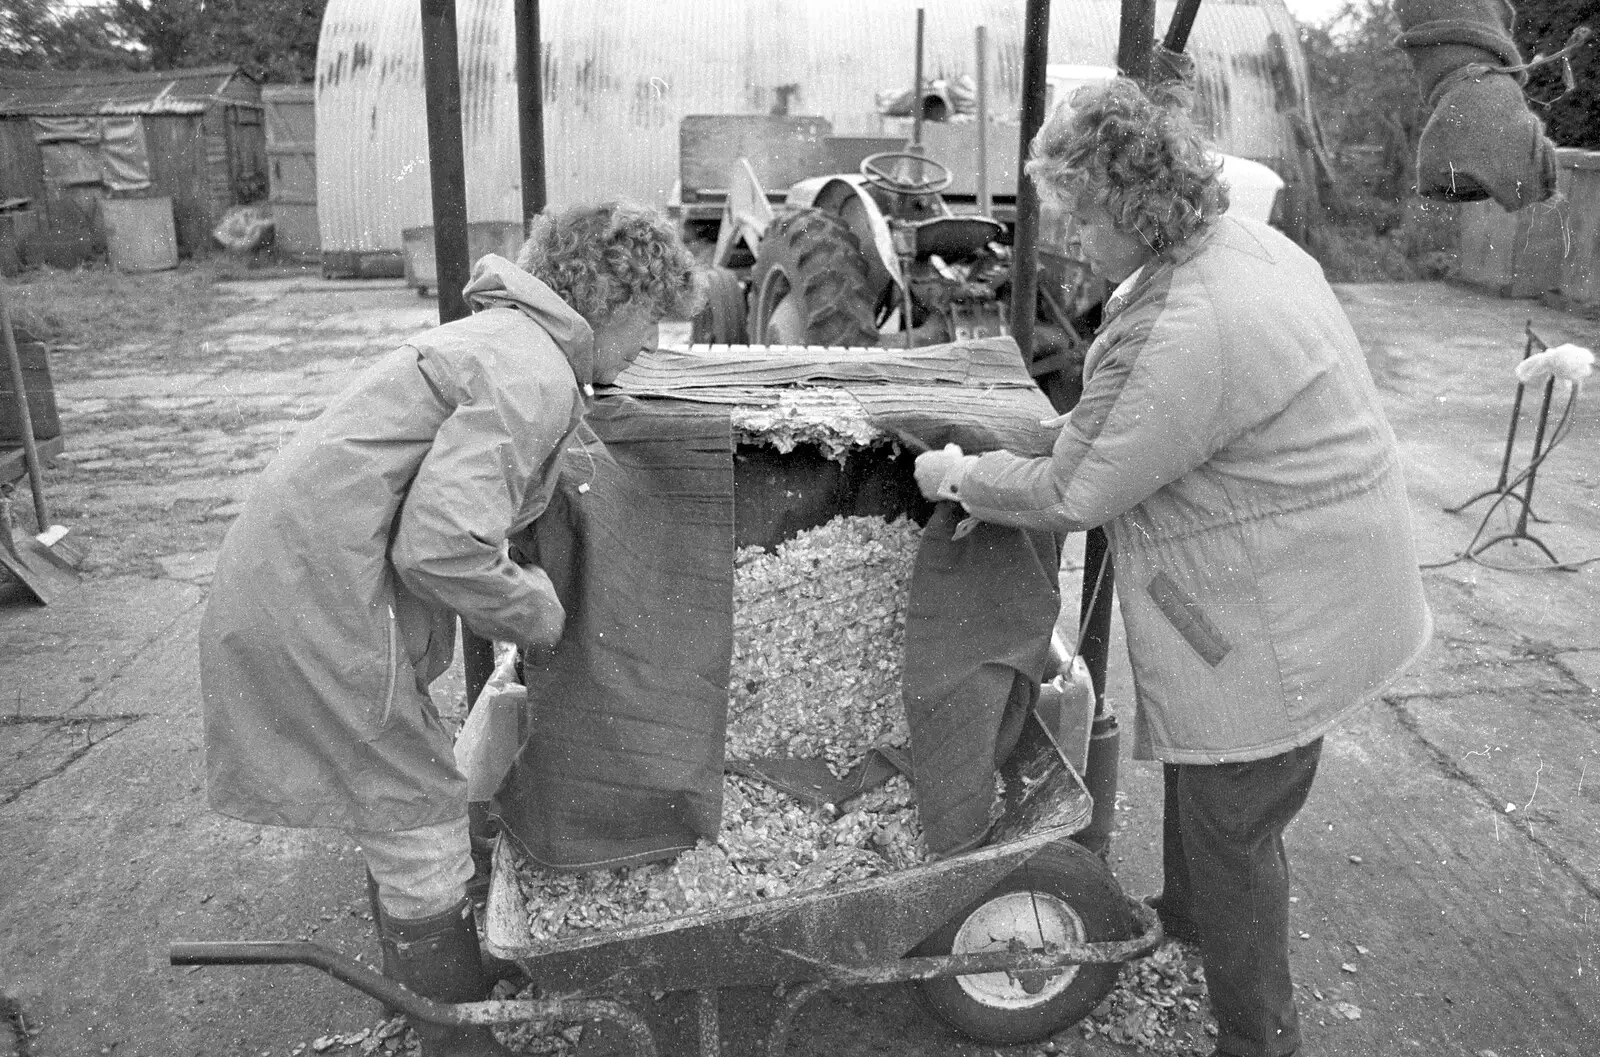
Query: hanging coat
x=332, y=606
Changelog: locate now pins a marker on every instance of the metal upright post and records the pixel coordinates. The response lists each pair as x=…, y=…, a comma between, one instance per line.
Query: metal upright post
x=916, y=93
x=1182, y=22
x=1135, y=36
x=530, y=107
x=1025, y=236
x=447, y=172
x=981, y=45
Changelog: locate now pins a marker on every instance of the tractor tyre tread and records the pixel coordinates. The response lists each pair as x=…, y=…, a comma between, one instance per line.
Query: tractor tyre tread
x=822, y=258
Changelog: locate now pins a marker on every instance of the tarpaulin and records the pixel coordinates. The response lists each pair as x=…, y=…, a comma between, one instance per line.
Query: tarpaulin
x=117, y=144
x=977, y=639
x=623, y=762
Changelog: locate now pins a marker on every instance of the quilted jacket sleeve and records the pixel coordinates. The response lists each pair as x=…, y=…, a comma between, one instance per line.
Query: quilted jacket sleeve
x=450, y=545
x=1153, y=409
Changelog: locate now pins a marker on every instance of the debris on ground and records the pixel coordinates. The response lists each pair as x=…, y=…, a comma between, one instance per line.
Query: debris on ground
x=1158, y=1006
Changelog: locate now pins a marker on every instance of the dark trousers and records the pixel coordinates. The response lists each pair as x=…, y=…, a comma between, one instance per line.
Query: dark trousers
x=1224, y=869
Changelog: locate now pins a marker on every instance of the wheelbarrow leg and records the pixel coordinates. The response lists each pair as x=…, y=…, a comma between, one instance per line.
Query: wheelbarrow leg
x=687, y=1023
x=778, y=1036
x=708, y=1022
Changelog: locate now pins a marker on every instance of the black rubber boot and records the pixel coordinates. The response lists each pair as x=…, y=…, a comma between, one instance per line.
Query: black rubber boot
x=387, y=965
x=438, y=958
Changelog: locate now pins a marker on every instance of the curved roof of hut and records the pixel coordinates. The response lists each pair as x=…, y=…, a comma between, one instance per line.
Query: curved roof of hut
x=619, y=76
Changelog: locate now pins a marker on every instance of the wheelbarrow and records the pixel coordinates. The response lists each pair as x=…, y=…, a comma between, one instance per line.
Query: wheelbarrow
x=1008, y=943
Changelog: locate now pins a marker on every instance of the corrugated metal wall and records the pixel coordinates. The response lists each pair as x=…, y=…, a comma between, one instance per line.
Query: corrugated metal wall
x=619, y=75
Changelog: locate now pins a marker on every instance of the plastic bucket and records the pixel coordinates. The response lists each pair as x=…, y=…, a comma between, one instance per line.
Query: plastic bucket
x=140, y=236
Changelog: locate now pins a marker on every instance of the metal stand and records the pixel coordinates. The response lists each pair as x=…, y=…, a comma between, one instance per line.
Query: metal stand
x=1499, y=488
x=1506, y=486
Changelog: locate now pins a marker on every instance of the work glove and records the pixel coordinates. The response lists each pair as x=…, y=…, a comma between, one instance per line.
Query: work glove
x=1480, y=140
x=939, y=472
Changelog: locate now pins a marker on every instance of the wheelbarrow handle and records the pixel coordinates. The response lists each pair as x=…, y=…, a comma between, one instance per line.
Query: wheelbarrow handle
x=315, y=955
x=397, y=996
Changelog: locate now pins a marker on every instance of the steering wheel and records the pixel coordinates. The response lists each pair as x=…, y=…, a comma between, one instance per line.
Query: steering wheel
x=891, y=170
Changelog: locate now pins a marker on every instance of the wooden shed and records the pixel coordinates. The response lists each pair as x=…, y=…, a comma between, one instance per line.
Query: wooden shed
x=69, y=139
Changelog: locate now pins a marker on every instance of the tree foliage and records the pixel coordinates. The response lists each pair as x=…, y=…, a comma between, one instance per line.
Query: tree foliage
x=40, y=35
x=1362, y=88
x=1542, y=27
x=1365, y=93
x=273, y=40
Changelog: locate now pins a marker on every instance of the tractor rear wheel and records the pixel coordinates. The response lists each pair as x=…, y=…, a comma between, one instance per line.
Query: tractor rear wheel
x=809, y=284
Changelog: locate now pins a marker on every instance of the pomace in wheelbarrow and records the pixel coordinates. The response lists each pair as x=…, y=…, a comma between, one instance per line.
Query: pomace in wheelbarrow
x=818, y=630
x=770, y=845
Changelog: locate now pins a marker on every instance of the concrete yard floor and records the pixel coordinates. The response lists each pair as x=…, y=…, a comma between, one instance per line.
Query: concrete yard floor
x=1447, y=866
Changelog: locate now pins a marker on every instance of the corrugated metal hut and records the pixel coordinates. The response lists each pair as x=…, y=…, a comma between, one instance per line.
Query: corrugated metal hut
x=68, y=139
x=618, y=78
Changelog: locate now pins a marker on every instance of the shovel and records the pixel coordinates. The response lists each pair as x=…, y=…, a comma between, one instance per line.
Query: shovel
x=34, y=561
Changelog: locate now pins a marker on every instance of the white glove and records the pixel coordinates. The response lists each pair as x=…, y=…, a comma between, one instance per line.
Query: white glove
x=938, y=472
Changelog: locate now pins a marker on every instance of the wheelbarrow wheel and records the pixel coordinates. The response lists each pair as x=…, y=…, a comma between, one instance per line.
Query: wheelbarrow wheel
x=1063, y=894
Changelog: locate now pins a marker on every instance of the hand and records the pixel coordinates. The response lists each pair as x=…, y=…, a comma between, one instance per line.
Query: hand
x=552, y=617
x=933, y=467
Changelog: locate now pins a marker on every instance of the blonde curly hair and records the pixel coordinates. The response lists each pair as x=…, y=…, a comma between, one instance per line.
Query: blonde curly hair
x=599, y=258
x=1140, y=157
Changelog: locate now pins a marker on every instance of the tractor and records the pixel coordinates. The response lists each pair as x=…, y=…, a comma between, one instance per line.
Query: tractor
x=887, y=255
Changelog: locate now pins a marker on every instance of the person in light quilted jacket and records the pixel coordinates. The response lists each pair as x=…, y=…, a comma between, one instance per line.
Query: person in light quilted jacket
x=1230, y=440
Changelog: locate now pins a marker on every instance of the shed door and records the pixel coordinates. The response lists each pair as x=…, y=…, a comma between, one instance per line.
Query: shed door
x=292, y=168
x=247, y=180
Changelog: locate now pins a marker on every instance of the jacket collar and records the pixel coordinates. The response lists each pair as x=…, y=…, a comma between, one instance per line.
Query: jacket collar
x=1155, y=268
x=497, y=283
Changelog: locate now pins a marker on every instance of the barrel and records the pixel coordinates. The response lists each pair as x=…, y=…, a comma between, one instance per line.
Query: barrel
x=140, y=236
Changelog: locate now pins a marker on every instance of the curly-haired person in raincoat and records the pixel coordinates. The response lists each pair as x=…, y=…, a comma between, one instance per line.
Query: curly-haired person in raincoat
x=336, y=591
x=1230, y=440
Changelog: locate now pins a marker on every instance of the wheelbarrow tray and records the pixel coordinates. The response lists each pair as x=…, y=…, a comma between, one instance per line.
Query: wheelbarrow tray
x=843, y=930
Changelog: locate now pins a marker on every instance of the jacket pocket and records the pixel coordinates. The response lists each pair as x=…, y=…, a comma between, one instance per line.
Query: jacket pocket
x=1190, y=621
x=392, y=669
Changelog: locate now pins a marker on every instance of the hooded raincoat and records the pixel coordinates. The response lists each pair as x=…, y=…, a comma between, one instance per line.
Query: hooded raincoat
x=1230, y=440
x=335, y=591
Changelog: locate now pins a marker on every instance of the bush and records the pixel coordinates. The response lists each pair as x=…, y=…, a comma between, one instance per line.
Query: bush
x=1373, y=227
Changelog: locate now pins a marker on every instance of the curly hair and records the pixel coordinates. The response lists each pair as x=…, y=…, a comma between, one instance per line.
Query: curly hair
x=1142, y=159
x=599, y=258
